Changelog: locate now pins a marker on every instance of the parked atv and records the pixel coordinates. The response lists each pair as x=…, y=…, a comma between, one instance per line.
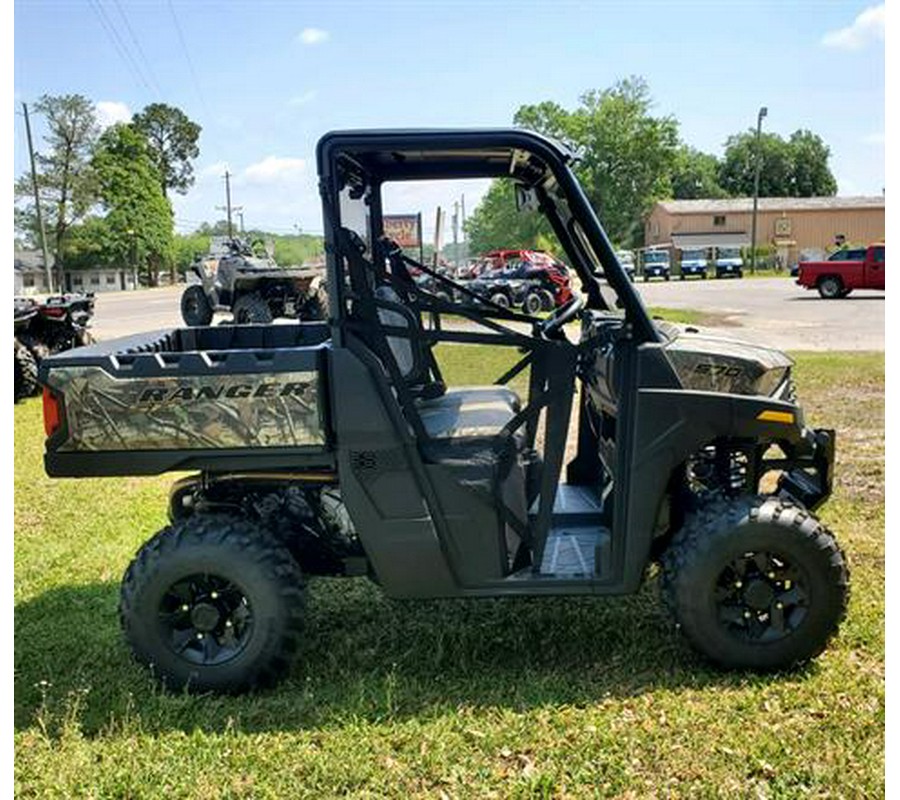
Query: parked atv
x=56, y=324
x=527, y=286
x=255, y=290
x=338, y=449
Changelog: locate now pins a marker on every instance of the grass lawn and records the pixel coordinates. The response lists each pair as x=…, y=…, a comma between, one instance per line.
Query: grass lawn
x=447, y=699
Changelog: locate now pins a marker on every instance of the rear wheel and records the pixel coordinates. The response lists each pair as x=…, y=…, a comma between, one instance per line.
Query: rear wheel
x=251, y=309
x=195, y=308
x=755, y=583
x=316, y=306
x=831, y=287
x=24, y=372
x=213, y=603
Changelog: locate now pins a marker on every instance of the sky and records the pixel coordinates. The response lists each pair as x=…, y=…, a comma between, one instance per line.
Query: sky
x=266, y=79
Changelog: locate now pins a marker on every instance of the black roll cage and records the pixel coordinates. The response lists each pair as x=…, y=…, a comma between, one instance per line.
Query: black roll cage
x=364, y=161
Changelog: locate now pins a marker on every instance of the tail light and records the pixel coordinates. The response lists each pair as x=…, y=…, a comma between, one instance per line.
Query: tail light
x=52, y=413
x=53, y=311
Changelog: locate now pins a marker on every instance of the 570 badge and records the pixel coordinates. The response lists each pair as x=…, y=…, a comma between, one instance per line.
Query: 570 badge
x=718, y=370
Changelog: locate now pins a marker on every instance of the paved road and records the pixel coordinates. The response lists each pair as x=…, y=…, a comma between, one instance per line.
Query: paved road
x=772, y=311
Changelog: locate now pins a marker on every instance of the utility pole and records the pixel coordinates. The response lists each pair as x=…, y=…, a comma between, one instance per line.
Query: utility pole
x=227, y=207
x=455, y=222
x=239, y=210
x=48, y=274
x=759, y=118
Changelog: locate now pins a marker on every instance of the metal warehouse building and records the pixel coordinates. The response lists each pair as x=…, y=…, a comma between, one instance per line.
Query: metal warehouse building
x=790, y=224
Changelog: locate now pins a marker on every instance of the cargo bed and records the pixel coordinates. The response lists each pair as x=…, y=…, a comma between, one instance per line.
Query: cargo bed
x=218, y=398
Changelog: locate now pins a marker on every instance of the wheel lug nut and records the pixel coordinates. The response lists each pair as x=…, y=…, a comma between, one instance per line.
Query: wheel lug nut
x=747, y=615
x=199, y=635
x=214, y=595
x=771, y=575
x=779, y=605
x=738, y=584
x=185, y=607
x=227, y=623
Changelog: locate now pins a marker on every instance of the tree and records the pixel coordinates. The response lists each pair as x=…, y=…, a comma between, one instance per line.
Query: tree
x=139, y=216
x=65, y=180
x=797, y=167
x=495, y=223
x=810, y=176
x=627, y=154
x=172, y=138
x=695, y=175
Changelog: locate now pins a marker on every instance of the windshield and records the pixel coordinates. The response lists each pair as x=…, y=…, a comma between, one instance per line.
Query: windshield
x=729, y=252
x=656, y=258
x=693, y=255
x=625, y=256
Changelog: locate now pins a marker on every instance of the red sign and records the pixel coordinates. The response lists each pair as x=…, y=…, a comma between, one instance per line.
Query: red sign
x=403, y=229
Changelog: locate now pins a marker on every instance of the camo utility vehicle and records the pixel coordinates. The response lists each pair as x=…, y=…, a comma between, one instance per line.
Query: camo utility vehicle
x=255, y=290
x=337, y=448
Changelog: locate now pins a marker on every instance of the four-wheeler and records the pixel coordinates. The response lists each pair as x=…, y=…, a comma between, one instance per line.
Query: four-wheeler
x=656, y=264
x=55, y=324
x=255, y=290
x=728, y=262
x=339, y=448
x=532, y=287
x=844, y=271
x=693, y=264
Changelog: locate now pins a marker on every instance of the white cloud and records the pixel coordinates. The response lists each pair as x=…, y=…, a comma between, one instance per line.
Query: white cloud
x=303, y=99
x=874, y=138
x=274, y=169
x=109, y=112
x=867, y=27
x=312, y=36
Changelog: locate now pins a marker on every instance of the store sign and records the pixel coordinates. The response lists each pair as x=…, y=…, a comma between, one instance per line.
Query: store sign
x=404, y=229
x=782, y=227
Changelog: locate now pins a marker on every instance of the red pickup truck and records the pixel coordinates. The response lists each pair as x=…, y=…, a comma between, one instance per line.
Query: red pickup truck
x=844, y=271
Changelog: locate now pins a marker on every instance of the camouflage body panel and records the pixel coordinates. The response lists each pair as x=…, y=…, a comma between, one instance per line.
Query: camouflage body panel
x=709, y=363
x=189, y=412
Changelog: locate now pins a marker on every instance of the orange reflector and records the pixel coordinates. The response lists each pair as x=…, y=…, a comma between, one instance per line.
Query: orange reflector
x=787, y=417
x=52, y=417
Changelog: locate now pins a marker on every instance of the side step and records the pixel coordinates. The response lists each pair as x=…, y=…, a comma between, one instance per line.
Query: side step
x=578, y=544
x=576, y=552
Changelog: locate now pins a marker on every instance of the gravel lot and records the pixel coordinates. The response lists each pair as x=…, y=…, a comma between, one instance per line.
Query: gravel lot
x=772, y=311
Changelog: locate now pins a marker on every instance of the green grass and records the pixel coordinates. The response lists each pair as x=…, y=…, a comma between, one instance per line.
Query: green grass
x=566, y=697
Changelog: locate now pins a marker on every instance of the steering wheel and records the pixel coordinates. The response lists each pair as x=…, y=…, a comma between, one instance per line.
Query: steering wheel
x=565, y=313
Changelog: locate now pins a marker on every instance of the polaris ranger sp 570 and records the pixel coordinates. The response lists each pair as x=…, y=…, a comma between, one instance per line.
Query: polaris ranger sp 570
x=337, y=448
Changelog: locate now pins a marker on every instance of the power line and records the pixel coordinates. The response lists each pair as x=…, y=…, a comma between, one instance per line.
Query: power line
x=187, y=56
x=137, y=46
x=114, y=37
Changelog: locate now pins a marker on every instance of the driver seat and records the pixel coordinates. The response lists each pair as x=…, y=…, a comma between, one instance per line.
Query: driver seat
x=466, y=412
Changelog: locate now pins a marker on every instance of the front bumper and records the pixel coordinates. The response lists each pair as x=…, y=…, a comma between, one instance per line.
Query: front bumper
x=810, y=476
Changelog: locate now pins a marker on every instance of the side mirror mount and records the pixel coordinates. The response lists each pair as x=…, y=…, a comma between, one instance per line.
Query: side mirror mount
x=526, y=198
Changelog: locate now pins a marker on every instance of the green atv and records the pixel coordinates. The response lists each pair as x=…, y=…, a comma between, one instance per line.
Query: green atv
x=337, y=448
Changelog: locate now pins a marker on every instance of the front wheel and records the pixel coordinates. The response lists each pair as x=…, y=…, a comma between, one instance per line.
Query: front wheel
x=213, y=603
x=532, y=303
x=500, y=299
x=755, y=583
x=195, y=308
